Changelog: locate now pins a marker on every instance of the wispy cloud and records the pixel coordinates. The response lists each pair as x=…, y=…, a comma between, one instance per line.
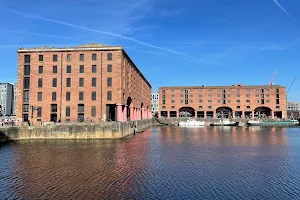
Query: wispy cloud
x=283, y=9
x=45, y=35
x=98, y=31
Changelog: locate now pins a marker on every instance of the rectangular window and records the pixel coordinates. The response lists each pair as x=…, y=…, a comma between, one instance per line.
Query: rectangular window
x=238, y=107
x=41, y=58
x=81, y=69
x=248, y=107
x=94, y=56
x=93, y=111
x=109, y=82
x=81, y=96
x=39, y=112
x=109, y=56
x=54, y=58
x=68, y=110
x=27, y=70
x=277, y=101
x=109, y=95
x=94, y=96
x=26, y=108
x=68, y=82
x=68, y=96
x=209, y=107
x=41, y=69
x=26, y=96
x=40, y=96
x=238, y=101
x=81, y=108
x=53, y=96
x=81, y=82
x=69, y=69
x=69, y=57
x=53, y=107
x=277, y=107
x=94, y=68
x=40, y=82
x=54, y=82
x=26, y=83
x=54, y=69
x=94, y=82
x=81, y=57
x=27, y=59
x=109, y=68
x=248, y=101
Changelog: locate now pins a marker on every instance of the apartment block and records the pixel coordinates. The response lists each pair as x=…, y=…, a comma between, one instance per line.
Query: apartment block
x=155, y=102
x=91, y=83
x=6, y=99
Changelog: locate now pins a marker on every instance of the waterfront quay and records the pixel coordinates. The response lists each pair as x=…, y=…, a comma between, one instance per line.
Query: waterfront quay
x=108, y=130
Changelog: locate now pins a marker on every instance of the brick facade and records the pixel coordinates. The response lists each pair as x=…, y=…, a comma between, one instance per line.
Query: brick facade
x=101, y=70
x=215, y=101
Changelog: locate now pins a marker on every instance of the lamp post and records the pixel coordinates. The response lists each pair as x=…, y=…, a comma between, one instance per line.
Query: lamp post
x=33, y=108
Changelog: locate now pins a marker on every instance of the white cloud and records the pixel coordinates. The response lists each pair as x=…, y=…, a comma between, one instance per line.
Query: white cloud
x=284, y=10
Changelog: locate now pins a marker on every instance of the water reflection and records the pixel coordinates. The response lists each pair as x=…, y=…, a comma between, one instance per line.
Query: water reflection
x=161, y=163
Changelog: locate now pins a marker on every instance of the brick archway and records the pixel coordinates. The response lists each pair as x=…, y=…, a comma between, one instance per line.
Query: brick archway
x=263, y=111
x=187, y=112
x=224, y=111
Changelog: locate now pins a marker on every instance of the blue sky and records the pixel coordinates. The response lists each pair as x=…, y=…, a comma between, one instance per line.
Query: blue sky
x=192, y=42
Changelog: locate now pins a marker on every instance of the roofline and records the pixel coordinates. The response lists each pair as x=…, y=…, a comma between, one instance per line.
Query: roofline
x=137, y=68
x=30, y=50
x=225, y=86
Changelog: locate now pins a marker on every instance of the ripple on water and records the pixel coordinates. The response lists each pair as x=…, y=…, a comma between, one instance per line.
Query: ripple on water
x=162, y=163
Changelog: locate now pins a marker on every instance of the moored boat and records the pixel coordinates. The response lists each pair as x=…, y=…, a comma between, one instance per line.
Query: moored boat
x=225, y=122
x=192, y=123
x=273, y=123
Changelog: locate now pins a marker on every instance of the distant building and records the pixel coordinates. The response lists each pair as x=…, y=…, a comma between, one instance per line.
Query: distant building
x=293, y=109
x=292, y=106
x=15, y=99
x=6, y=98
x=223, y=101
x=155, y=102
x=92, y=83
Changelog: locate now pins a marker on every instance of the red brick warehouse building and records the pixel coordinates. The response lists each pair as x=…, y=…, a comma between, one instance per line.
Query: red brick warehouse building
x=92, y=82
x=224, y=101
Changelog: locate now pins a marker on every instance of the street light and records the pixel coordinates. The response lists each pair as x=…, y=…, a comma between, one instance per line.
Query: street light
x=33, y=108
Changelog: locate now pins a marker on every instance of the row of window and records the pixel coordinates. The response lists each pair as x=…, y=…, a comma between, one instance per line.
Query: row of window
x=81, y=82
x=219, y=91
x=69, y=57
x=219, y=101
x=210, y=107
x=68, y=69
x=219, y=95
x=68, y=96
x=68, y=110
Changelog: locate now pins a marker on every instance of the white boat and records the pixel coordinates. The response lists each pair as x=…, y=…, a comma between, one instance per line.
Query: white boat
x=225, y=122
x=191, y=123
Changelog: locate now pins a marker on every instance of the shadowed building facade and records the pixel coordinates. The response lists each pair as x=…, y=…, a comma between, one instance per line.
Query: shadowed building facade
x=92, y=82
x=237, y=101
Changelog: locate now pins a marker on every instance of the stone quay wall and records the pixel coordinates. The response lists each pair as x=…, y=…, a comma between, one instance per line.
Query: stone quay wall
x=108, y=130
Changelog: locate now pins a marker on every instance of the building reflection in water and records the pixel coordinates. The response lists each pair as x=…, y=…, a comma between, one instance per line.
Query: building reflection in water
x=208, y=162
